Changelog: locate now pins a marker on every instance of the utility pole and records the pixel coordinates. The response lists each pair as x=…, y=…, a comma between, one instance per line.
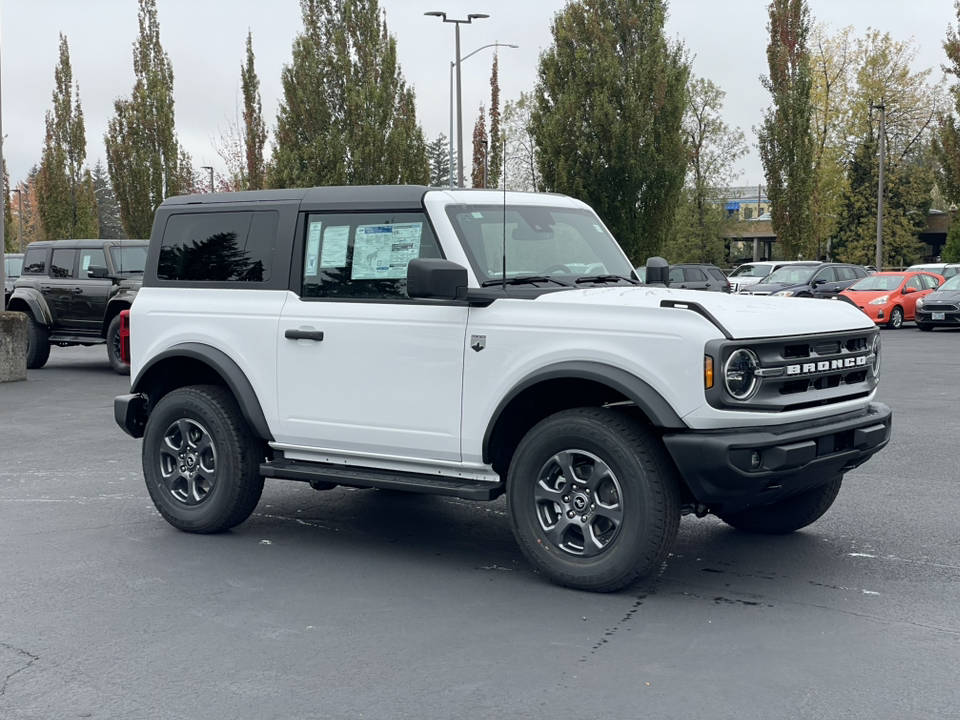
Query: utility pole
x=208, y=167
x=883, y=132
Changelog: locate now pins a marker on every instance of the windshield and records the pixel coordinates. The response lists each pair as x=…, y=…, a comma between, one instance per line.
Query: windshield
x=757, y=271
x=951, y=284
x=563, y=243
x=13, y=266
x=792, y=275
x=129, y=259
x=879, y=282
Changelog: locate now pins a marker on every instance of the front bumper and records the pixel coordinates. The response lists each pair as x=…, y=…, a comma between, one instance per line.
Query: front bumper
x=717, y=464
x=951, y=318
x=130, y=412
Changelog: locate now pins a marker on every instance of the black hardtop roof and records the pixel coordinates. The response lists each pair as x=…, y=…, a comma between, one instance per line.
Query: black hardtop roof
x=340, y=198
x=85, y=243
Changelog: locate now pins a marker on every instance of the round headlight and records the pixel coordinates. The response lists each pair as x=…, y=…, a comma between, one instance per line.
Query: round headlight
x=876, y=356
x=740, y=374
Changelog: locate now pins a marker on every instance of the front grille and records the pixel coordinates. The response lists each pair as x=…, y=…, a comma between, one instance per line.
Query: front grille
x=939, y=308
x=801, y=371
x=757, y=293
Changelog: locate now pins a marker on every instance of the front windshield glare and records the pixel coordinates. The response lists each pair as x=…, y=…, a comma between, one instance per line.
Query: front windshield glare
x=562, y=243
x=757, y=271
x=879, y=282
x=952, y=284
x=792, y=275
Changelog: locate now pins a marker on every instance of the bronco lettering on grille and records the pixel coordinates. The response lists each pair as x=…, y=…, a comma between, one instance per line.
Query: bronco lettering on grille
x=828, y=365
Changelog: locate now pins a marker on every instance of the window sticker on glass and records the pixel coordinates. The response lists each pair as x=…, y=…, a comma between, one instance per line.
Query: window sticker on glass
x=313, y=248
x=334, y=252
x=86, y=262
x=382, y=252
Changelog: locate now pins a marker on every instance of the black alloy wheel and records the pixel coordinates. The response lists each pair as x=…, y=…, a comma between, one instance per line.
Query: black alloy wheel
x=201, y=461
x=593, y=499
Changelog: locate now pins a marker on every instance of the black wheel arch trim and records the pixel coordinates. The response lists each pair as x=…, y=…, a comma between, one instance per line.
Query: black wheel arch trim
x=34, y=301
x=228, y=369
x=641, y=393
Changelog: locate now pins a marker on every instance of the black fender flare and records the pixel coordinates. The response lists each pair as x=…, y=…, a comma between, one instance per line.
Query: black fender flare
x=33, y=300
x=641, y=393
x=116, y=304
x=228, y=369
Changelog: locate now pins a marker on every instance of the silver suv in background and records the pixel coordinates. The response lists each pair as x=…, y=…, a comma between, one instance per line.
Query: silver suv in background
x=752, y=273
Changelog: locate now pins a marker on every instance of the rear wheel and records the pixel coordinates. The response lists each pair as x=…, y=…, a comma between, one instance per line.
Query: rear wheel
x=788, y=515
x=38, y=343
x=201, y=461
x=896, y=318
x=593, y=499
x=113, y=348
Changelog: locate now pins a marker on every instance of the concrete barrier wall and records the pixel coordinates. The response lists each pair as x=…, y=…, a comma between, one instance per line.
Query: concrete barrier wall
x=13, y=346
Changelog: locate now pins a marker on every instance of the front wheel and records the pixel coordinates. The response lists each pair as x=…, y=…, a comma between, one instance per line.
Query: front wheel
x=896, y=318
x=787, y=515
x=113, y=348
x=594, y=499
x=201, y=461
x=925, y=327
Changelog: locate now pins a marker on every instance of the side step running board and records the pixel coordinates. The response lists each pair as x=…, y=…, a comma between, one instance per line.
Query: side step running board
x=385, y=479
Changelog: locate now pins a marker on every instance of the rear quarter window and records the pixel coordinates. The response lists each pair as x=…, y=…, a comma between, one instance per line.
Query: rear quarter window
x=35, y=262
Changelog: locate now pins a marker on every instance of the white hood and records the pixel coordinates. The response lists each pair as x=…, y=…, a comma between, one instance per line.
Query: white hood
x=743, y=316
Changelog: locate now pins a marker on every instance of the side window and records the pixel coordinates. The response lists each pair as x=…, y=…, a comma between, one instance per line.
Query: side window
x=91, y=258
x=364, y=256
x=717, y=274
x=929, y=281
x=914, y=283
x=218, y=247
x=62, y=262
x=35, y=261
x=676, y=275
x=949, y=272
x=847, y=273
x=694, y=275
x=827, y=275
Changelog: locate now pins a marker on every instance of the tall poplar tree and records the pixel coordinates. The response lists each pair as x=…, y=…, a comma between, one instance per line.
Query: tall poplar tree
x=495, y=164
x=611, y=95
x=144, y=158
x=64, y=189
x=947, y=138
x=481, y=148
x=347, y=116
x=785, y=138
x=254, y=128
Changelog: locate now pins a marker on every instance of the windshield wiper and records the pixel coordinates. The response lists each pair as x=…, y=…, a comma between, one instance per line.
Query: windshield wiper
x=606, y=279
x=524, y=280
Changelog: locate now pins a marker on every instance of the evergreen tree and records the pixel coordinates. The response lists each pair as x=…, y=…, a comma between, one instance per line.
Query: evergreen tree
x=907, y=199
x=520, y=148
x=784, y=137
x=947, y=137
x=610, y=100
x=951, y=251
x=439, y=154
x=480, y=149
x=10, y=240
x=108, y=212
x=255, y=130
x=495, y=164
x=346, y=116
x=144, y=158
x=65, y=199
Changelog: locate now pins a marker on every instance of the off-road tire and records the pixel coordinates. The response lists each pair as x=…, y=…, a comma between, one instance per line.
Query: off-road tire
x=113, y=348
x=896, y=318
x=237, y=452
x=38, y=343
x=648, y=496
x=787, y=515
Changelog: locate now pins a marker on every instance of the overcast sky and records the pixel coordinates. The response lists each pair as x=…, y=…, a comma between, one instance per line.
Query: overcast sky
x=205, y=41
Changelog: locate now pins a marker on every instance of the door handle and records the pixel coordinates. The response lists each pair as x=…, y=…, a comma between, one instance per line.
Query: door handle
x=78, y=291
x=304, y=335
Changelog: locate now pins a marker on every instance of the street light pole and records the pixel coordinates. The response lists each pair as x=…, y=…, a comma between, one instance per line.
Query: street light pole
x=207, y=167
x=470, y=18
x=879, y=261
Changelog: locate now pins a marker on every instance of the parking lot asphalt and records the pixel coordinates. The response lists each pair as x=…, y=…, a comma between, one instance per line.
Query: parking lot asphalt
x=371, y=604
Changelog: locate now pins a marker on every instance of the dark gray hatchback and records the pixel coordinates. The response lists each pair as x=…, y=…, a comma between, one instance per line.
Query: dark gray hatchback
x=941, y=308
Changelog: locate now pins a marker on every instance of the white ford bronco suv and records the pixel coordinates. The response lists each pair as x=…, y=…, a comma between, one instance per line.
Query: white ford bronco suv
x=475, y=343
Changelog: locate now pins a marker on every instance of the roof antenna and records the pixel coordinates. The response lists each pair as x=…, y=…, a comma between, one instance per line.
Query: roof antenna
x=503, y=179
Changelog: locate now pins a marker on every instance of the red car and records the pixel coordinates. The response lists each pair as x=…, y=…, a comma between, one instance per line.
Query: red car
x=890, y=298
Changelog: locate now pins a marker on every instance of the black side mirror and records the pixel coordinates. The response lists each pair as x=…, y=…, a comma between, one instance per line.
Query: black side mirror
x=97, y=271
x=436, y=278
x=658, y=271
